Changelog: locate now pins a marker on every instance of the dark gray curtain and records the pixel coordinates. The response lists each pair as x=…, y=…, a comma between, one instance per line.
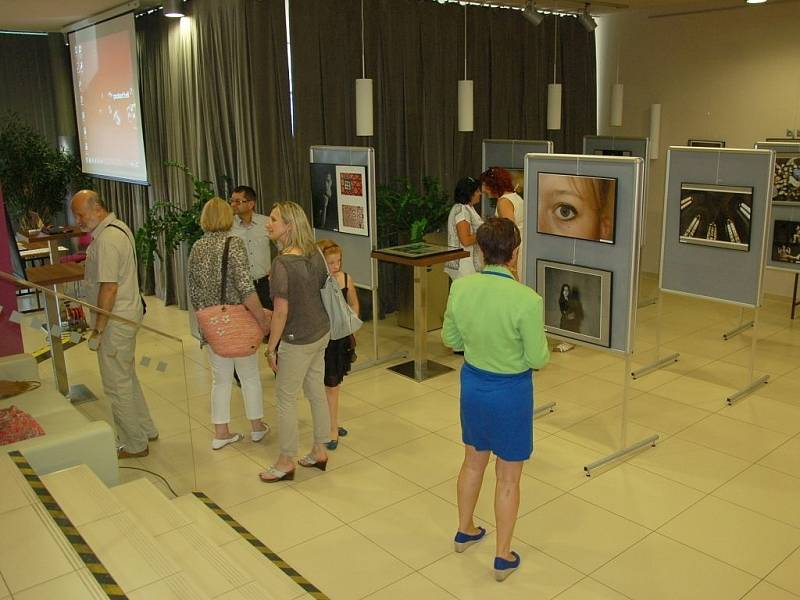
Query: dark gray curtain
x=415, y=55
x=26, y=86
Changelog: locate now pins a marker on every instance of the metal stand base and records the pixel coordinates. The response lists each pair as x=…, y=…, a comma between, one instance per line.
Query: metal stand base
x=429, y=369
x=79, y=393
x=544, y=408
x=672, y=358
x=650, y=441
x=378, y=361
x=734, y=332
x=748, y=390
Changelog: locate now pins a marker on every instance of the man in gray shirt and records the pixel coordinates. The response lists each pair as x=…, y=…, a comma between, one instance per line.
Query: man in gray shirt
x=112, y=284
x=251, y=227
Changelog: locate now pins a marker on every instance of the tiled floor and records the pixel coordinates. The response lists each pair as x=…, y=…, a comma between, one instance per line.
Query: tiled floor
x=711, y=513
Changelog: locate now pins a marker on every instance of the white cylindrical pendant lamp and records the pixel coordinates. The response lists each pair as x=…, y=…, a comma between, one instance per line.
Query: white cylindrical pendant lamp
x=465, y=108
x=616, y=105
x=554, y=106
x=364, y=107
x=655, y=130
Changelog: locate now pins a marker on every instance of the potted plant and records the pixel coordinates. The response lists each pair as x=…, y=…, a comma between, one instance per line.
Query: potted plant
x=36, y=176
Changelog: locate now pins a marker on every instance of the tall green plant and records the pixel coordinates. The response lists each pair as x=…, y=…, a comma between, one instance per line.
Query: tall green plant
x=36, y=176
x=172, y=223
x=403, y=209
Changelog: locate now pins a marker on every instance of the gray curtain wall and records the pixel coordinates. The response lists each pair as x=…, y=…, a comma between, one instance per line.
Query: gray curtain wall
x=415, y=56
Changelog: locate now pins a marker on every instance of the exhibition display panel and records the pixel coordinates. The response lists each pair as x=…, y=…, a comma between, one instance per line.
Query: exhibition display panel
x=510, y=154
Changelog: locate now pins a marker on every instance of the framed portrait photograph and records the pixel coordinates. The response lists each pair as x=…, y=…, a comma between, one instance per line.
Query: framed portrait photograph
x=716, y=215
x=786, y=184
x=339, y=198
x=706, y=143
x=786, y=241
x=577, y=301
x=611, y=152
x=577, y=206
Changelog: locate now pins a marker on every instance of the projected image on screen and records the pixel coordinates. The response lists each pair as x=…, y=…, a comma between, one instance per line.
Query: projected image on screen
x=107, y=100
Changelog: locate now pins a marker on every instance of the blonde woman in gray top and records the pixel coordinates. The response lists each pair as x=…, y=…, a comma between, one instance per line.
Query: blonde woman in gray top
x=301, y=325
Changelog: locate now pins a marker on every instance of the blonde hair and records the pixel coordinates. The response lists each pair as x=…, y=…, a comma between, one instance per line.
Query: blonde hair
x=329, y=247
x=217, y=215
x=299, y=233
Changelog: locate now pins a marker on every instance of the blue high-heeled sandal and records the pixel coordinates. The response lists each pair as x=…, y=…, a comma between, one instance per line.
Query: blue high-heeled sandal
x=462, y=541
x=503, y=568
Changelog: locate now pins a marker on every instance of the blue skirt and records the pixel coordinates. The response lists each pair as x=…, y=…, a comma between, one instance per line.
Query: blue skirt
x=497, y=412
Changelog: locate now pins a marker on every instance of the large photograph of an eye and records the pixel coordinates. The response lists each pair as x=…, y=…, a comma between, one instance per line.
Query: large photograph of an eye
x=577, y=206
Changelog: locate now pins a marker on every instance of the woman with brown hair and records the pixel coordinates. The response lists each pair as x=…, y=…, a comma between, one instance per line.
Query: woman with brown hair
x=496, y=183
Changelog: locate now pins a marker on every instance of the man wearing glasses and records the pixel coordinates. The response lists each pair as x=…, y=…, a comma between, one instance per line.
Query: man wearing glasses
x=250, y=226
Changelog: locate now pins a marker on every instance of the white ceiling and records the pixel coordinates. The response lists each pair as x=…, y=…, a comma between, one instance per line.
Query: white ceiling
x=52, y=15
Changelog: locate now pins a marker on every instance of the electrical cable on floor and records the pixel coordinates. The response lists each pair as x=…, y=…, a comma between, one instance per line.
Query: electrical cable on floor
x=161, y=477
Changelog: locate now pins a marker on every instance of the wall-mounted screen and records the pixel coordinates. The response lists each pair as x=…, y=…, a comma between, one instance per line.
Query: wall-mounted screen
x=106, y=86
x=577, y=206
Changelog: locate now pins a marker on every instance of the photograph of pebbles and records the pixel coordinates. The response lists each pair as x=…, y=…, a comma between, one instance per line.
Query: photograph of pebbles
x=786, y=187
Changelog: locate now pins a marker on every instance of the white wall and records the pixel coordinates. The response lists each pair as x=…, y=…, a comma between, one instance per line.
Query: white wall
x=732, y=75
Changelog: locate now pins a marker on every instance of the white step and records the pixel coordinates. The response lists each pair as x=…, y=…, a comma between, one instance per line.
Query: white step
x=81, y=495
x=205, y=520
x=149, y=506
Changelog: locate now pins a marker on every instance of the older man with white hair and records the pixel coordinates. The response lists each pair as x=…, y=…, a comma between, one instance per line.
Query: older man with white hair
x=112, y=285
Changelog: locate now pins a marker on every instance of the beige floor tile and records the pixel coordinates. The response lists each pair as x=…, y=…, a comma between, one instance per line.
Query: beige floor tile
x=4, y=592
x=533, y=493
x=783, y=389
x=351, y=407
x=787, y=574
x=418, y=530
x=661, y=414
x=385, y=389
x=553, y=375
x=446, y=380
x=767, y=413
x=767, y=591
x=585, y=360
x=690, y=464
x=413, y=586
x=380, y=430
x=453, y=434
x=603, y=431
x=591, y=392
x=735, y=535
x=427, y=461
x=79, y=585
x=15, y=495
x=469, y=575
x=29, y=555
x=345, y=565
x=734, y=437
x=658, y=568
x=578, y=533
x=357, y=490
x=768, y=492
x=566, y=414
x=695, y=392
x=726, y=374
x=765, y=360
x=785, y=458
x=590, y=589
x=283, y=518
x=560, y=462
x=430, y=411
x=638, y=495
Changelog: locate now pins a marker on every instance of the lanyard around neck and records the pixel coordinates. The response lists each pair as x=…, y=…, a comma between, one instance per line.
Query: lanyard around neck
x=506, y=275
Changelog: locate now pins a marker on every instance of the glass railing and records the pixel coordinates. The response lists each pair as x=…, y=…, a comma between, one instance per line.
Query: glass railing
x=85, y=418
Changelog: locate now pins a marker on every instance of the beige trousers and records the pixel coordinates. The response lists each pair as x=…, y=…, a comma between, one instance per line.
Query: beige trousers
x=116, y=357
x=301, y=366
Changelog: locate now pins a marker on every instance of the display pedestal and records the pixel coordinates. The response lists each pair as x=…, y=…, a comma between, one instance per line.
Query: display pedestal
x=420, y=368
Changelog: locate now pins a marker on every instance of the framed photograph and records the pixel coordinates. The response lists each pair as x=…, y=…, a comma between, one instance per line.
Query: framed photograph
x=610, y=152
x=716, y=215
x=577, y=206
x=786, y=241
x=339, y=198
x=706, y=143
x=577, y=301
x=417, y=250
x=786, y=185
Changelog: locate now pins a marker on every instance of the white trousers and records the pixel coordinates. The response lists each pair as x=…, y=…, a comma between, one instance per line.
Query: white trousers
x=222, y=384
